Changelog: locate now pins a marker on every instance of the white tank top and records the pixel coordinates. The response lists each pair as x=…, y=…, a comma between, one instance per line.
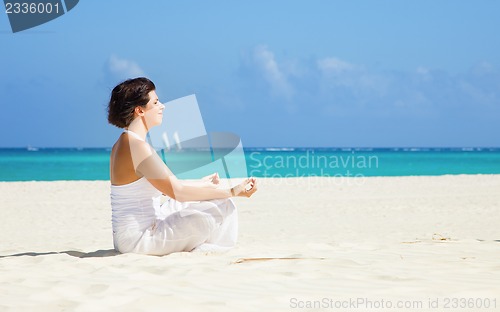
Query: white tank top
x=133, y=209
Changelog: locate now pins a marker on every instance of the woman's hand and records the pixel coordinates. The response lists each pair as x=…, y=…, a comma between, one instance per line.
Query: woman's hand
x=246, y=188
x=213, y=178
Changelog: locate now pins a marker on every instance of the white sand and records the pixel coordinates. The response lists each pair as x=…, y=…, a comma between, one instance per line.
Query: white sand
x=390, y=239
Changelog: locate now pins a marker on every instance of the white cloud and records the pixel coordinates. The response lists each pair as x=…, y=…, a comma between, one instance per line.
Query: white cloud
x=338, y=73
x=424, y=73
x=478, y=95
x=265, y=61
x=422, y=70
x=331, y=84
x=483, y=68
x=120, y=68
x=335, y=65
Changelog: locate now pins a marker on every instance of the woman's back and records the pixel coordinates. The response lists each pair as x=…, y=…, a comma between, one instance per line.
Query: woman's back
x=121, y=165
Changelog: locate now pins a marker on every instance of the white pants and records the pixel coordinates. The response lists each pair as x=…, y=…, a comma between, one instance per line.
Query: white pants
x=200, y=226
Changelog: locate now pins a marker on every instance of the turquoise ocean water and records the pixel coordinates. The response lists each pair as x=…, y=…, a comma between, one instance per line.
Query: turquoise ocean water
x=48, y=164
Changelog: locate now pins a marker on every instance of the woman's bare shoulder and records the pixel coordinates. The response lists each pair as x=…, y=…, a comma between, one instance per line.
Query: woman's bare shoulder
x=131, y=145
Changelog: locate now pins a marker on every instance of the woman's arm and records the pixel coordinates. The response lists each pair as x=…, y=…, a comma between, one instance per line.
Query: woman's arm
x=172, y=188
x=158, y=174
x=208, y=181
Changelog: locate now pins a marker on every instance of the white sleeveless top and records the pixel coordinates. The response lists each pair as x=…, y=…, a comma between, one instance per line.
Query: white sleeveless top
x=133, y=211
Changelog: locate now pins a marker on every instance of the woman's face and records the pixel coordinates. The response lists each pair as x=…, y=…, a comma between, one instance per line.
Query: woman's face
x=154, y=110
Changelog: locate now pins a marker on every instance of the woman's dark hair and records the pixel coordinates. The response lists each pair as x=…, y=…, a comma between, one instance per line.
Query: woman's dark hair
x=125, y=97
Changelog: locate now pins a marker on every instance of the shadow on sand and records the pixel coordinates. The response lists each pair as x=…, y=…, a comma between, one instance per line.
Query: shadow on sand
x=78, y=254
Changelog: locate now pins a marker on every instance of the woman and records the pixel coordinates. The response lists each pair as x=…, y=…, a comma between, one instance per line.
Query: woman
x=201, y=216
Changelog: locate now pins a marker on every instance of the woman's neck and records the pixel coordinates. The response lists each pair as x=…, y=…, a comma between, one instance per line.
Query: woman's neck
x=138, y=127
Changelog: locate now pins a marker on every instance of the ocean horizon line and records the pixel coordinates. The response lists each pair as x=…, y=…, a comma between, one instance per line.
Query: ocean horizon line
x=284, y=148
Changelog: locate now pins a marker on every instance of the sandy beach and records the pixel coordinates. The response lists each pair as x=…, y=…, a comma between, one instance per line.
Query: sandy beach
x=305, y=244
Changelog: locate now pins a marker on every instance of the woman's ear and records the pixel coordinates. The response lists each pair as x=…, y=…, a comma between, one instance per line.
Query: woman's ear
x=139, y=111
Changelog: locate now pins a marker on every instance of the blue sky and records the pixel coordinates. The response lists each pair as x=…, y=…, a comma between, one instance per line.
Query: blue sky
x=277, y=73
